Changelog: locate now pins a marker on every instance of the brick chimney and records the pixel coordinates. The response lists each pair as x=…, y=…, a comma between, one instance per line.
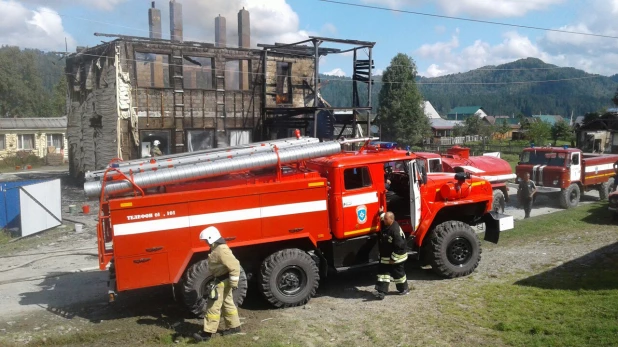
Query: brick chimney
x=175, y=21
x=220, y=32
x=154, y=22
x=244, y=29
x=244, y=41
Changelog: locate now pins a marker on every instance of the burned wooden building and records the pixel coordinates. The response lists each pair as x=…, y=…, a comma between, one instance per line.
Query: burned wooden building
x=130, y=92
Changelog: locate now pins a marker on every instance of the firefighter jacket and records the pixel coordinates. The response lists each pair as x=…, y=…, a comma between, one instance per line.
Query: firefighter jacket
x=392, y=243
x=222, y=264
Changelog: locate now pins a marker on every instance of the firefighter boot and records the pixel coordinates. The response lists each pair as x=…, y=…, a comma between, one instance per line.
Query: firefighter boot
x=403, y=288
x=231, y=331
x=202, y=336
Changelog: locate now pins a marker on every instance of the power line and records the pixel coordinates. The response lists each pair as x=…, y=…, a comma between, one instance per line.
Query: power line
x=468, y=19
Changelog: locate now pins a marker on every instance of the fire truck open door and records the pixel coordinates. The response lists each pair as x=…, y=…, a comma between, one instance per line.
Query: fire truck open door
x=415, y=194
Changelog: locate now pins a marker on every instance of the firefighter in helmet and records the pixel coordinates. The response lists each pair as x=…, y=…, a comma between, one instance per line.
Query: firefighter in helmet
x=226, y=269
x=393, y=256
x=156, y=152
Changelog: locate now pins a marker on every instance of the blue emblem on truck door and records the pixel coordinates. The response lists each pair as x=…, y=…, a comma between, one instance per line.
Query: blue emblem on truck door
x=361, y=214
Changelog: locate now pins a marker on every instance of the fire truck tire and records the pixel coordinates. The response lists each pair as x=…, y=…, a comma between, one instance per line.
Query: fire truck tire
x=569, y=197
x=605, y=189
x=289, y=278
x=455, y=249
x=194, y=287
x=499, y=201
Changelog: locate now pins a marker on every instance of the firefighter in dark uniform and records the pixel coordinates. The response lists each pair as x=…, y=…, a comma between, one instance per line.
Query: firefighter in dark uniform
x=393, y=256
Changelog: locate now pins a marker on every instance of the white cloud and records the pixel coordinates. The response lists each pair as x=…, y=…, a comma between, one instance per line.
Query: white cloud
x=41, y=28
x=476, y=8
x=378, y=72
x=433, y=71
x=448, y=57
x=106, y=5
x=271, y=20
x=336, y=72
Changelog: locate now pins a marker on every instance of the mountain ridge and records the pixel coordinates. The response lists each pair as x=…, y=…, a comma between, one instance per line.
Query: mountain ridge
x=527, y=86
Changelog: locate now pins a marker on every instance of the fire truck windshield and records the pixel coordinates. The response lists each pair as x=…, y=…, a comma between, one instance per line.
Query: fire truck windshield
x=543, y=158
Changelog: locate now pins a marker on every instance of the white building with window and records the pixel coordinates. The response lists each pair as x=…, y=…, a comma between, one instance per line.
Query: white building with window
x=35, y=135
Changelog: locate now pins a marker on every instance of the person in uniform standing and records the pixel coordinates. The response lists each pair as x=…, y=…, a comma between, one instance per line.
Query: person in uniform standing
x=525, y=194
x=226, y=269
x=393, y=256
x=156, y=152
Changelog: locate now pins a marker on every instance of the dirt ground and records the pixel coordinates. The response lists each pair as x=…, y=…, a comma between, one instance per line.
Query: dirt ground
x=50, y=285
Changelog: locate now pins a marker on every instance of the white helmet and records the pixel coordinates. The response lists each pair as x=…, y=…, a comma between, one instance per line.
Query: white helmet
x=157, y=142
x=210, y=234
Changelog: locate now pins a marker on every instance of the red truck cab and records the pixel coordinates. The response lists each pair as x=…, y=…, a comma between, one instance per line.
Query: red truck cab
x=567, y=172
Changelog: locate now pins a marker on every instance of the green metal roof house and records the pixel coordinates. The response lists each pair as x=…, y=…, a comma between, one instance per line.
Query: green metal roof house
x=551, y=119
x=463, y=112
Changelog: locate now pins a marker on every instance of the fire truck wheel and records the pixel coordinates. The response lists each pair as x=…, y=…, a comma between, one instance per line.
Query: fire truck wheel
x=569, y=197
x=499, y=201
x=455, y=249
x=605, y=189
x=196, y=281
x=289, y=278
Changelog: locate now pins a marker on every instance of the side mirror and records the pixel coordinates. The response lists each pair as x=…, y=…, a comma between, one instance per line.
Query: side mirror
x=519, y=163
x=424, y=175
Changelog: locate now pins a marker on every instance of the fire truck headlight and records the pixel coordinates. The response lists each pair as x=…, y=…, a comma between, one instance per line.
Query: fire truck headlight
x=555, y=182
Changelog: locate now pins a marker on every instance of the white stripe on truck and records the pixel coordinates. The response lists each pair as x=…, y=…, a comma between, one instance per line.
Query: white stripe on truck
x=603, y=167
x=218, y=217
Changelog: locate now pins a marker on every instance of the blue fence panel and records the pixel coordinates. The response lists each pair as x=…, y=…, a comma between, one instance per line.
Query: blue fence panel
x=9, y=203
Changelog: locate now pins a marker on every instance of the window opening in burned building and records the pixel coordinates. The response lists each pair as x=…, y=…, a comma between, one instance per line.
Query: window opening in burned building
x=237, y=74
x=240, y=137
x=147, y=139
x=152, y=70
x=198, y=140
x=284, y=83
x=198, y=73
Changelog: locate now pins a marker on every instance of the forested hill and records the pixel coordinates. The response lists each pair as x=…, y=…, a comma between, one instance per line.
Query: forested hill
x=32, y=83
x=504, y=89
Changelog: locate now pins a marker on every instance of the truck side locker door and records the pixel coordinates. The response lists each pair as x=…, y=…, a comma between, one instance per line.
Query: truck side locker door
x=360, y=202
x=576, y=167
x=415, y=194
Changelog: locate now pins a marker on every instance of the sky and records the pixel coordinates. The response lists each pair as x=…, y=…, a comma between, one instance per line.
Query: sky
x=439, y=46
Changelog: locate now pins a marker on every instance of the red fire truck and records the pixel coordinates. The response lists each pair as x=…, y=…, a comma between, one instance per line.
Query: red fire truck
x=491, y=168
x=567, y=172
x=290, y=214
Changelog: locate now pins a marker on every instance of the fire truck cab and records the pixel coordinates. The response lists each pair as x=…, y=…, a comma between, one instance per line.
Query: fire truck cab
x=291, y=225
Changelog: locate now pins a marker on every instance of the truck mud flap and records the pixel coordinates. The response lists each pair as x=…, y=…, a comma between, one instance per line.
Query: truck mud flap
x=495, y=223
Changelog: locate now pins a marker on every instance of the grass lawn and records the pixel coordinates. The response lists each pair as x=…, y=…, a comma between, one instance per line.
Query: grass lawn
x=574, y=304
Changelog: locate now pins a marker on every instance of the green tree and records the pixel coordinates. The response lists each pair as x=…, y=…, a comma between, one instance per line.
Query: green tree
x=615, y=98
x=538, y=132
x=475, y=125
x=400, y=113
x=58, y=98
x=459, y=130
x=561, y=130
